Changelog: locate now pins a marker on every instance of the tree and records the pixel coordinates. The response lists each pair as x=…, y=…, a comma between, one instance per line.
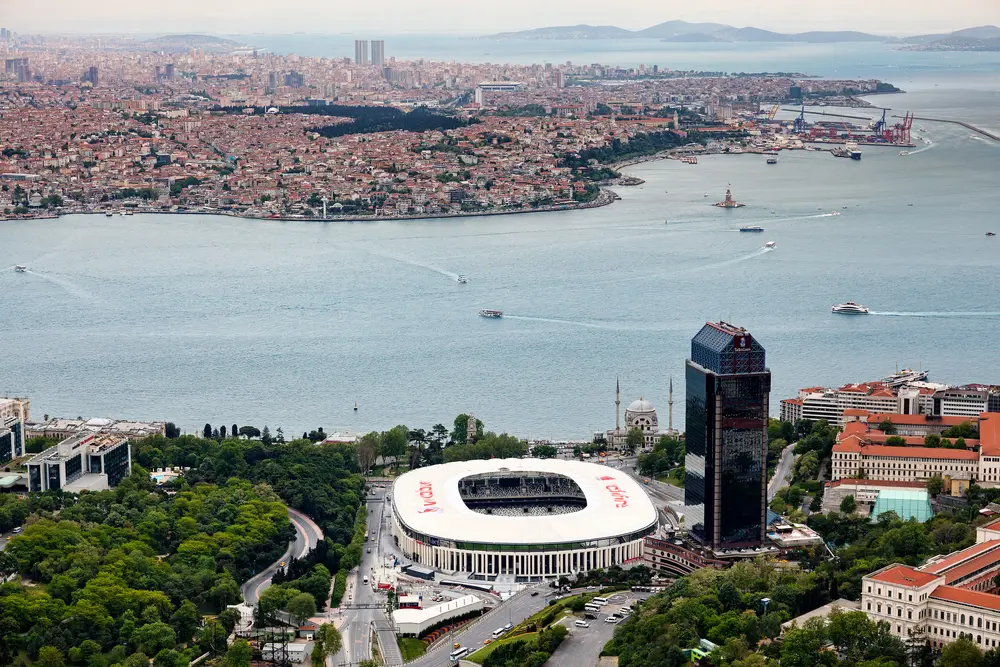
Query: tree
x=544, y=452
x=207, y=431
x=394, y=442
x=932, y=440
x=302, y=607
x=222, y=432
x=279, y=436
x=848, y=505
x=239, y=654
x=328, y=642
x=887, y=427
x=153, y=637
x=807, y=466
x=212, y=637
x=961, y=653
x=801, y=647
x=460, y=433
x=249, y=432
x=171, y=431
x=634, y=439
x=235, y=431
x=895, y=441
x=185, y=620
x=265, y=435
x=366, y=451
x=50, y=656
x=935, y=484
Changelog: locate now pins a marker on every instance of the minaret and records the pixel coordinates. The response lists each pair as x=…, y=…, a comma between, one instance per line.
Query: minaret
x=618, y=405
x=471, y=430
x=670, y=407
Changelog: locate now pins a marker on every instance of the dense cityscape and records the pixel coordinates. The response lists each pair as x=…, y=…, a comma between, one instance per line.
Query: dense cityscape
x=855, y=523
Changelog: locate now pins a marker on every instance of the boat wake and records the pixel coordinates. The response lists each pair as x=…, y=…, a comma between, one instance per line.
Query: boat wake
x=921, y=150
x=422, y=265
x=935, y=314
x=71, y=288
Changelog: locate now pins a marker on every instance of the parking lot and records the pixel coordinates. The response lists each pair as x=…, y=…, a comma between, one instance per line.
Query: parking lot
x=583, y=645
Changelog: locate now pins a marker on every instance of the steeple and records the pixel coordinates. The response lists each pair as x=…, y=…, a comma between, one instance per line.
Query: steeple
x=618, y=404
x=670, y=407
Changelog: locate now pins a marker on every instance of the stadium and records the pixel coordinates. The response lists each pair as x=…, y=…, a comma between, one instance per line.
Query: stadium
x=529, y=518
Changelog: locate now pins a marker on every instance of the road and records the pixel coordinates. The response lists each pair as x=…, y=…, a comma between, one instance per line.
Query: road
x=781, y=473
x=362, y=606
x=583, y=646
x=307, y=536
x=514, y=610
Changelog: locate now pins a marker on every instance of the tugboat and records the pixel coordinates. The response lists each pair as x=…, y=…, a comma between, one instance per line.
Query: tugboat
x=729, y=202
x=492, y=314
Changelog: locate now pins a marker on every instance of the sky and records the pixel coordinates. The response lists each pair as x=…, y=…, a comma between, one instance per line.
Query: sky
x=480, y=17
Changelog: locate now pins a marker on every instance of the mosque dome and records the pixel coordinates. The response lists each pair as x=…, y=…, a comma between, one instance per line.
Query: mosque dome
x=639, y=406
x=641, y=415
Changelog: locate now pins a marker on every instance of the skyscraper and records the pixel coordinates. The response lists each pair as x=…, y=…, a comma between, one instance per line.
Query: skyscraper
x=361, y=52
x=378, y=52
x=728, y=384
x=91, y=75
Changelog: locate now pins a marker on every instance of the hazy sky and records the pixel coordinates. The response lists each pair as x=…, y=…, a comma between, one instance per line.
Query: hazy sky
x=484, y=16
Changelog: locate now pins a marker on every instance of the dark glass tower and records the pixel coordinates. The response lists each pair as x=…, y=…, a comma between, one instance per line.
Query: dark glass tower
x=728, y=384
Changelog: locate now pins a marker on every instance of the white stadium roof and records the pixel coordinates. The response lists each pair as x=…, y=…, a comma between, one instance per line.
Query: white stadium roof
x=427, y=501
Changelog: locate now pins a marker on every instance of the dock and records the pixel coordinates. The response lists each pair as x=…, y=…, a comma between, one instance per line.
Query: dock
x=973, y=128
x=835, y=115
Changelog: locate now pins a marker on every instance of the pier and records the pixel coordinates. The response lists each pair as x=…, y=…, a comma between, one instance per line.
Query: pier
x=835, y=115
x=988, y=135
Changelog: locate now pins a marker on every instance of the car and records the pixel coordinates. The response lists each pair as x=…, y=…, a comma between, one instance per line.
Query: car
x=590, y=616
x=581, y=624
x=590, y=588
x=369, y=549
x=457, y=645
x=611, y=619
x=281, y=564
x=534, y=593
x=487, y=642
x=17, y=530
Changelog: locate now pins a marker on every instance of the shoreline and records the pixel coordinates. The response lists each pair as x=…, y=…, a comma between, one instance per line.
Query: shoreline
x=604, y=198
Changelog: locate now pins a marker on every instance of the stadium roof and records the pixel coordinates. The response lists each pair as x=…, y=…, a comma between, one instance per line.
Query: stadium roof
x=428, y=502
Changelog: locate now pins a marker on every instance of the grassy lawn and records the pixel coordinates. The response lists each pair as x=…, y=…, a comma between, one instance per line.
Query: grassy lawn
x=479, y=656
x=411, y=648
x=673, y=477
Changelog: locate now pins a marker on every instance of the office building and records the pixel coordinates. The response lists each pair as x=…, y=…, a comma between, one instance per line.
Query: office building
x=168, y=71
x=11, y=438
x=378, y=52
x=295, y=79
x=361, y=52
x=91, y=75
x=84, y=462
x=728, y=386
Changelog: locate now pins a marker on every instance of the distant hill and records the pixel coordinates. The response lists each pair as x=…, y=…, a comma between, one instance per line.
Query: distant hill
x=981, y=38
x=682, y=31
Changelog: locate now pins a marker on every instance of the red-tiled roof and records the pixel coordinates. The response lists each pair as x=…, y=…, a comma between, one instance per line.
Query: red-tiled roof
x=919, y=420
x=964, y=557
x=971, y=598
x=989, y=433
x=793, y=401
x=919, y=453
x=993, y=525
x=903, y=575
x=879, y=483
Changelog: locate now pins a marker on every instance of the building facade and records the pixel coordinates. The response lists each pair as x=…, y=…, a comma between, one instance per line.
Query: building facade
x=86, y=461
x=361, y=52
x=378, y=52
x=728, y=385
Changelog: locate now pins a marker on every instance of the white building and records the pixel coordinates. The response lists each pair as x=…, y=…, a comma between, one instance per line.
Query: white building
x=413, y=622
x=84, y=462
x=293, y=651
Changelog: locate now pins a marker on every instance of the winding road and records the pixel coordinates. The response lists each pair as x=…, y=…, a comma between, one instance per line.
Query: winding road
x=307, y=536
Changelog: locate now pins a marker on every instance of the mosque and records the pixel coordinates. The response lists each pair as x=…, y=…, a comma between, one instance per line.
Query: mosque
x=639, y=414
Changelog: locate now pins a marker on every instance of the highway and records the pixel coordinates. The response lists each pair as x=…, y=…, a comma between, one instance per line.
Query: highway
x=307, y=536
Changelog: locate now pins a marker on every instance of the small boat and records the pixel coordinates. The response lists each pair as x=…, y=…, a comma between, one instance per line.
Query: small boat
x=850, y=308
x=129, y=212
x=463, y=279
x=772, y=159
x=20, y=268
x=751, y=229
x=355, y=406
x=835, y=213
x=109, y=214
x=991, y=233
x=492, y=314
x=770, y=244
x=904, y=152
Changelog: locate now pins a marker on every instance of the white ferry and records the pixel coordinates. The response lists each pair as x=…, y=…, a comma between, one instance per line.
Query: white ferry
x=905, y=376
x=850, y=308
x=770, y=244
x=20, y=268
x=493, y=314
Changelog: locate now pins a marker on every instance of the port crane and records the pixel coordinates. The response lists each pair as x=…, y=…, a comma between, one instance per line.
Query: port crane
x=901, y=131
x=800, y=121
x=773, y=112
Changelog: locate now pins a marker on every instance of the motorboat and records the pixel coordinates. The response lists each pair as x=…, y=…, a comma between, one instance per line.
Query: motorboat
x=904, y=152
x=772, y=159
x=770, y=244
x=752, y=229
x=492, y=314
x=355, y=406
x=850, y=308
x=463, y=279
x=109, y=214
x=21, y=268
x=991, y=233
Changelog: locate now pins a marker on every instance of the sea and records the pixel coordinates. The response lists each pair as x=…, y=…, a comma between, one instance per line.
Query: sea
x=196, y=319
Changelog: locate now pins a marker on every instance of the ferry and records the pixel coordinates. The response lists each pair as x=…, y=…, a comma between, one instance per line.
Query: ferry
x=20, y=268
x=463, y=279
x=850, y=308
x=492, y=314
x=109, y=214
x=905, y=376
x=770, y=244
x=751, y=229
x=772, y=159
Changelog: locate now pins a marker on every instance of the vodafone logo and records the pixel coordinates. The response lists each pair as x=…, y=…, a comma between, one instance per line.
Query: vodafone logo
x=426, y=492
x=621, y=498
x=429, y=510
x=605, y=478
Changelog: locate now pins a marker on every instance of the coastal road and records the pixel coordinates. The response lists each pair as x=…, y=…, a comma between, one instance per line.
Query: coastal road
x=782, y=472
x=307, y=536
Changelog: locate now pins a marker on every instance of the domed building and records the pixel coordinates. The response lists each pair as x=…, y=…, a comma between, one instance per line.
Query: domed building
x=642, y=415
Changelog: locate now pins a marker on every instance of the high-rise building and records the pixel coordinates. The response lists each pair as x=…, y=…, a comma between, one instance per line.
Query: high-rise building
x=91, y=75
x=272, y=81
x=361, y=52
x=728, y=385
x=168, y=71
x=295, y=79
x=378, y=52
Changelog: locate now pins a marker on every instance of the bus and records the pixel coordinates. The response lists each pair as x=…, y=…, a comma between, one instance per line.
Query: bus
x=460, y=652
x=499, y=632
x=600, y=601
x=592, y=607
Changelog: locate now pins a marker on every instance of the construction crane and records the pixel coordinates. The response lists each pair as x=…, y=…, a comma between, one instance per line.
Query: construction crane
x=800, y=122
x=847, y=128
x=773, y=112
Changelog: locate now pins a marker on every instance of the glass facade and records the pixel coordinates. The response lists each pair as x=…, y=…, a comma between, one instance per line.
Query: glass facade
x=116, y=464
x=728, y=386
x=74, y=468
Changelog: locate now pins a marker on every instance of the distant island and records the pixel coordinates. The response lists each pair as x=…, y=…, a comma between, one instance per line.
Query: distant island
x=971, y=39
x=181, y=43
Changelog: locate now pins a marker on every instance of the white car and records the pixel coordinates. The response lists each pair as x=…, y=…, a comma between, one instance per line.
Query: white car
x=582, y=624
x=611, y=619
